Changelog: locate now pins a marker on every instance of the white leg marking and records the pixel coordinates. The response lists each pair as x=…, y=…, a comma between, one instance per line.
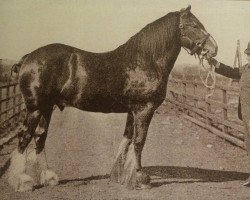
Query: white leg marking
x=129, y=176
x=48, y=177
x=123, y=145
x=25, y=183
x=16, y=173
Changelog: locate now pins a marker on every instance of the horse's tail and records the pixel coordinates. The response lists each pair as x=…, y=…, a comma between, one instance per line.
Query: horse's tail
x=16, y=67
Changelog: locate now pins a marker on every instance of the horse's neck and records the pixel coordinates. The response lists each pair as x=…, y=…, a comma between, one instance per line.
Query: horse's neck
x=158, y=42
x=166, y=63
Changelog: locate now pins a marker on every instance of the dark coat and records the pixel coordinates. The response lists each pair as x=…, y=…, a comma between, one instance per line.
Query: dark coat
x=234, y=73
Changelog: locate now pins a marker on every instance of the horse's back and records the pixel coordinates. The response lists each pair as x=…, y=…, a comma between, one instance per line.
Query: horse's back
x=105, y=82
x=64, y=75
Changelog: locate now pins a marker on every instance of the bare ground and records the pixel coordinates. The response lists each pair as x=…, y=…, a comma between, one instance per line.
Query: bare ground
x=183, y=160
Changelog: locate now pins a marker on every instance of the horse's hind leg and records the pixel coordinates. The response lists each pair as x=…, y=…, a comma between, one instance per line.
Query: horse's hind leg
x=47, y=176
x=17, y=176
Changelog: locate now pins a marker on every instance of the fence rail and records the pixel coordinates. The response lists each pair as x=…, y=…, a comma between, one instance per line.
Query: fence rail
x=11, y=105
x=217, y=114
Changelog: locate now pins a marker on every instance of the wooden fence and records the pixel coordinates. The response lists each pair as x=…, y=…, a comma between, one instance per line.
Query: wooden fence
x=217, y=113
x=11, y=107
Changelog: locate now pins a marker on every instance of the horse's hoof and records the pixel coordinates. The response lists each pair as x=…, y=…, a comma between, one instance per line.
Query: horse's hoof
x=49, y=177
x=143, y=186
x=25, y=183
x=142, y=181
x=246, y=182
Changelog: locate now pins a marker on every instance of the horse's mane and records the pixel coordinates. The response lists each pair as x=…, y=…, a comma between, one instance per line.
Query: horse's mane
x=155, y=38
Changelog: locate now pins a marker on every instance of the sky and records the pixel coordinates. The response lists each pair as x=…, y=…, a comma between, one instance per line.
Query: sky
x=99, y=26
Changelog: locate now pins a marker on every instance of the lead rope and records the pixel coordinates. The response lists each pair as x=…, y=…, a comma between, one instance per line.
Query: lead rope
x=211, y=74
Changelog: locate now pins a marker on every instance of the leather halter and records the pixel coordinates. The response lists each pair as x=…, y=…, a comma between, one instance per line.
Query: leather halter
x=198, y=45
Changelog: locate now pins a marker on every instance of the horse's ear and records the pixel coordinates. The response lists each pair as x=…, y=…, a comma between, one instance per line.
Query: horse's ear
x=186, y=10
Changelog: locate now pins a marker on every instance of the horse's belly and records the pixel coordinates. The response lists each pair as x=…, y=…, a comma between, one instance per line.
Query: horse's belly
x=105, y=105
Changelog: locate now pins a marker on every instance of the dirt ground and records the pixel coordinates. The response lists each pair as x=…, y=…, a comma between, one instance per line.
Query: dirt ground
x=183, y=160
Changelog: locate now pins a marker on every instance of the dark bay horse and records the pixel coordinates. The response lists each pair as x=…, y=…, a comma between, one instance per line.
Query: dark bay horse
x=130, y=79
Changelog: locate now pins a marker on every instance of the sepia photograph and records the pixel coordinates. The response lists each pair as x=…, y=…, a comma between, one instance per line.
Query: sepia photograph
x=132, y=100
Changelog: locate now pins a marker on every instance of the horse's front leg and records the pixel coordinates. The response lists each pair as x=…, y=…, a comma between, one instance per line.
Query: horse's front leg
x=142, y=119
x=127, y=168
x=118, y=173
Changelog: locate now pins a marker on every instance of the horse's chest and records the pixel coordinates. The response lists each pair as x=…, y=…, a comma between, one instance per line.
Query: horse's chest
x=140, y=82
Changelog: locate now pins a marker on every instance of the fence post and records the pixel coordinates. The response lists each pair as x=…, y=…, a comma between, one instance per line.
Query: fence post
x=195, y=100
x=19, y=101
x=1, y=96
x=7, y=101
x=14, y=103
x=184, y=93
x=224, y=100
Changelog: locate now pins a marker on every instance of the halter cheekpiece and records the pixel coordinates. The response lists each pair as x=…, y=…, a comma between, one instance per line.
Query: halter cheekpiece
x=199, y=45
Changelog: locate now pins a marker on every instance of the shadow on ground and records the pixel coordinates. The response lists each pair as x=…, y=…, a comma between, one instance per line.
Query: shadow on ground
x=79, y=181
x=192, y=174
x=85, y=180
x=185, y=174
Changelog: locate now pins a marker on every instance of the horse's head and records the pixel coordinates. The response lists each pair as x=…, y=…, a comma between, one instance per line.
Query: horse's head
x=194, y=36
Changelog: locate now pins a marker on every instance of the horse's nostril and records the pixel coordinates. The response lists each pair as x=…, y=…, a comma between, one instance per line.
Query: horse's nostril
x=215, y=52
